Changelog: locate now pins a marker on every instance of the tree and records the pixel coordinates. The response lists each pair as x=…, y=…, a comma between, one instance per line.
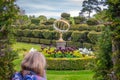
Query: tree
x=8, y=14
x=104, y=57
x=89, y=6
x=114, y=15
x=101, y=16
x=65, y=16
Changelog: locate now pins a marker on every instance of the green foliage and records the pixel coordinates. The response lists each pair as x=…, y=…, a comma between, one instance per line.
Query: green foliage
x=79, y=19
x=37, y=33
x=77, y=35
x=67, y=35
x=74, y=44
x=92, y=21
x=67, y=64
x=104, y=57
x=113, y=13
x=42, y=19
x=35, y=21
x=80, y=27
x=65, y=15
x=35, y=40
x=50, y=21
x=93, y=36
x=24, y=39
x=32, y=26
x=19, y=32
x=89, y=6
x=87, y=45
x=27, y=33
x=8, y=16
x=48, y=34
x=45, y=41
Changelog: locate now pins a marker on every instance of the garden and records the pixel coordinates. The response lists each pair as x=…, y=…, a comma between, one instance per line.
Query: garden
x=75, y=48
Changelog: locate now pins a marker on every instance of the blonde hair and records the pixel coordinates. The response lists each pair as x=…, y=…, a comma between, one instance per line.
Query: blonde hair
x=34, y=61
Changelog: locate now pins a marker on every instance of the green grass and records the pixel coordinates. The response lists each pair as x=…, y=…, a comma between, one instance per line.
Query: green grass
x=69, y=75
x=51, y=74
x=25, y=46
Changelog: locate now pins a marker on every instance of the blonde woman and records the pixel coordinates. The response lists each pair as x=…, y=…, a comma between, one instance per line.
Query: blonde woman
x=33, y=67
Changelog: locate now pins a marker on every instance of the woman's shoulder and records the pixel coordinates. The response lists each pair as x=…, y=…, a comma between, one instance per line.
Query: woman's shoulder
x=19, y=76
x=39, y=77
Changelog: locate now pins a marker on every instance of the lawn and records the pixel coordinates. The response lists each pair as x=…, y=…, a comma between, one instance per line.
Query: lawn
x=51, y=74
x=69, y=75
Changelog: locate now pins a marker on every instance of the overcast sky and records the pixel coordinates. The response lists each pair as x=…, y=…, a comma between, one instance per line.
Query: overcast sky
x=50, y=8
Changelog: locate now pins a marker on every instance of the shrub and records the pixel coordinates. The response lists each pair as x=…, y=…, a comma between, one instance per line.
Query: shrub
x=93, y=36
x=53, y=42
x=48, y=34
x=99, y=28
x=74, y=44
x=87, y=45
x=92, y=21
x=33, y=26
x=67, y=35
x=77, y=35
x=27, y=33
x=25, y=39
x=68, y=63
x=35, y=40
x=45, y=41
x=19, y=32
x=37, y=33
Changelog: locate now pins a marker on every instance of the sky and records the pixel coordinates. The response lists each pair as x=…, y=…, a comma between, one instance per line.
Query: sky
x=50, y=8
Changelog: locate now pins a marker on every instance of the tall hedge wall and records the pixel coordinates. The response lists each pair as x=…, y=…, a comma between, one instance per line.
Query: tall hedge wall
x=73, y=38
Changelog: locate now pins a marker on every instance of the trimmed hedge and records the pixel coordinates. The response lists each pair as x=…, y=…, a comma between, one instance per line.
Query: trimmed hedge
x=27, y=33
x=87, y=45
x=92, y=21
x=45, y=41
x=74, y=44
x=35, y=40
x=68, y=63
x=25, y=39
x=93, y=36
x=77, y=35
x=37, y=33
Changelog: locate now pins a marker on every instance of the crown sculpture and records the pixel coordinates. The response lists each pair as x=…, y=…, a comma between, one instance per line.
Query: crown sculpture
x=61, y=26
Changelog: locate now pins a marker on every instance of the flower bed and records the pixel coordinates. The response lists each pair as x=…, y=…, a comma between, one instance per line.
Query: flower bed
x=69, y=52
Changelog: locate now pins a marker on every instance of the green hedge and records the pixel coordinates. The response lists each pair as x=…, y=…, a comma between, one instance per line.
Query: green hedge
x=45, y=41
x=35, y=40
x=37, y=33
x=27, y=33
x=87, y=45
x=92, y=21
x=48, y=34
x=74, y=44
x=25, y=39
x=93, y=36
x=77, y=35
x=68, y=63
x=67, y=35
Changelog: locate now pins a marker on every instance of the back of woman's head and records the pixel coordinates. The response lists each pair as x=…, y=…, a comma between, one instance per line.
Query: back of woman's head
x=34, y=61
